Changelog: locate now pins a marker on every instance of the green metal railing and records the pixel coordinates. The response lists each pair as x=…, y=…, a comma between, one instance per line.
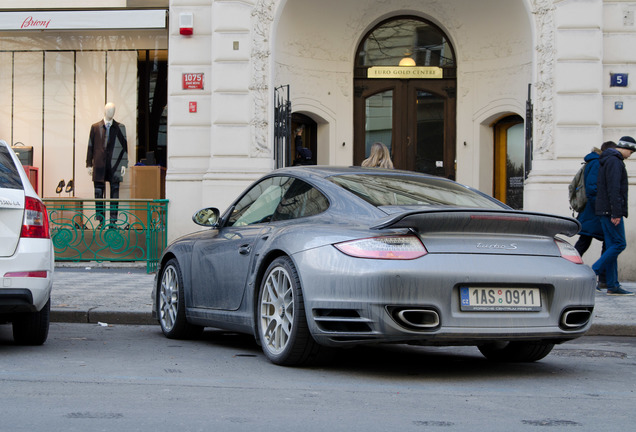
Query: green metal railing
x=108, y=229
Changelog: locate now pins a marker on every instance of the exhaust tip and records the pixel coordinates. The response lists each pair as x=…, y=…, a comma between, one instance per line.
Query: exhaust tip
x=416, y=318
x=576, y=318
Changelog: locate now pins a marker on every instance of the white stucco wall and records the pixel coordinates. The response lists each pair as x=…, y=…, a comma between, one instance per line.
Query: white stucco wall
x=593, y=39
x=246, y=48
x=315, y=45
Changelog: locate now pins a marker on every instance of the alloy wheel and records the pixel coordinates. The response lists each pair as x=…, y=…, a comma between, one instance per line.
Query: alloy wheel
x=169, y=298
x=277, y=310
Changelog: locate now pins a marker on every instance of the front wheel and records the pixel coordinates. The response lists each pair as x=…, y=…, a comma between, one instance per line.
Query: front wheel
x=171, y=304
x=519, y=352
x=281, y=321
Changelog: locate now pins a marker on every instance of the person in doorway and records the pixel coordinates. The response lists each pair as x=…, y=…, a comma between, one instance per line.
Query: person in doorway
x=107, y=159
x=303, y=154
x=611, y=207
x=379, y=157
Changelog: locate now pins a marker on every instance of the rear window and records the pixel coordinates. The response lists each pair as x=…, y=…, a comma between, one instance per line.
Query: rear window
x=9, y=176
x=401, y=190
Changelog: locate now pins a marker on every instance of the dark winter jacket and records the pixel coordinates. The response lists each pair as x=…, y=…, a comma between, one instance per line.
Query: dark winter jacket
x=107, y=160
x=611, y=198
x=590, y=222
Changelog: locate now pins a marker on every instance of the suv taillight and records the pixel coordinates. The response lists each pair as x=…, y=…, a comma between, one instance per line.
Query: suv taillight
x=36, y=220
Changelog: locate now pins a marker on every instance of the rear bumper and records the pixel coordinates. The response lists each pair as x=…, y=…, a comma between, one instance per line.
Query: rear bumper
x=359, y=300
x=27, y=294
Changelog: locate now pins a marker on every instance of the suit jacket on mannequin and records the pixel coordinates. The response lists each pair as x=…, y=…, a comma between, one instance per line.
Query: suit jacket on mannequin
x=107, y=160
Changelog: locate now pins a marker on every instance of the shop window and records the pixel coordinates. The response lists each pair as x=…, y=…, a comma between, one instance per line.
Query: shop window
x=152, y=69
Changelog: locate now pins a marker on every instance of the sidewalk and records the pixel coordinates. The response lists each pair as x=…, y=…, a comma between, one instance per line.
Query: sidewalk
x=92, y=293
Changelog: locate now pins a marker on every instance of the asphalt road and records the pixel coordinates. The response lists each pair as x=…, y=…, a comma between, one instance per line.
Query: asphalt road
x=131, y=378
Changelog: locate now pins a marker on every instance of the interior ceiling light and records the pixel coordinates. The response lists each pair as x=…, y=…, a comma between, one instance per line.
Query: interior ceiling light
x=407, y=61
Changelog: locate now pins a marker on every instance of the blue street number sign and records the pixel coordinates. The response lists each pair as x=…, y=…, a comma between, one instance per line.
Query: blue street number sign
x=618, y=80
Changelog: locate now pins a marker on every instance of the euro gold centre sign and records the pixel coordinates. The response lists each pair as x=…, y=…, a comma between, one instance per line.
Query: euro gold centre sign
x=405, y=72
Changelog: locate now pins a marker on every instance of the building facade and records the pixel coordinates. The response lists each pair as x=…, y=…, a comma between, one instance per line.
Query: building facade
x=506, y=96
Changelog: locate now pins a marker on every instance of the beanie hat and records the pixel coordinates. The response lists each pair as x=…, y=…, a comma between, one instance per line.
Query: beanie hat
x=627, y=142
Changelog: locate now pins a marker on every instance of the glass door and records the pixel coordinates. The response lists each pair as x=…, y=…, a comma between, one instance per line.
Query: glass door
x=509, y=161
x=405, y=83
x=414, y=118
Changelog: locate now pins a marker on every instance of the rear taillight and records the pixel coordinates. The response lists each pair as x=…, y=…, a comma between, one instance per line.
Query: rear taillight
x=389, y=247
x=36, y=220
x=568, y=251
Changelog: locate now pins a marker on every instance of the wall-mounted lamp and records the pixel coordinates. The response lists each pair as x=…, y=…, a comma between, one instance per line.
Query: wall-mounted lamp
x=186, y=24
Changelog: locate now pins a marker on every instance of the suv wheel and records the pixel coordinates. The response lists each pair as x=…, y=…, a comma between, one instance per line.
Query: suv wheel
x=32, y=328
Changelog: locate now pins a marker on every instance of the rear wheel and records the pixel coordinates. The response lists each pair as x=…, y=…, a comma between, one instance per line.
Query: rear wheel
x=171, y=304
x=282, y=324
x=520, y=352
x=32, y=328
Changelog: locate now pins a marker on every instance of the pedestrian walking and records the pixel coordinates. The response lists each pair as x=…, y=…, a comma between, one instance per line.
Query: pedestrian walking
x=590, y=221
x=611, y=207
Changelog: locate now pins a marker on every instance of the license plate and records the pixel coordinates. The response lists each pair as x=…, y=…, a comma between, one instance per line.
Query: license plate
x=500, y=299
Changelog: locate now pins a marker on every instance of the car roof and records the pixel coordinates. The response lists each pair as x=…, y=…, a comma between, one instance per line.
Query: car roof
x=328, y=171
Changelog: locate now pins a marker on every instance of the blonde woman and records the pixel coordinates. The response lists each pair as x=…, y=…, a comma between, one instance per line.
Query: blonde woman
x=379, y=157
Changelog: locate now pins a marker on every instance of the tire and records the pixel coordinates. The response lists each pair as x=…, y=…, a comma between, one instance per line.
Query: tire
x=281, y=322
x=516, y=352
x=171, y=304
x=32, y=328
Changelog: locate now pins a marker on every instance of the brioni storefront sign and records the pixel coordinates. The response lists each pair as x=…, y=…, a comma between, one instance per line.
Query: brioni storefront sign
x=405, y=72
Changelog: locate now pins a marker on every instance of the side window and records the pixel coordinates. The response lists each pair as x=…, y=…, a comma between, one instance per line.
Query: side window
x=300, y=200
x=259, y=203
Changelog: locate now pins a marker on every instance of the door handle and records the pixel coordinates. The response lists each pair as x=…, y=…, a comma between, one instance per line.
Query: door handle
x=245, y=249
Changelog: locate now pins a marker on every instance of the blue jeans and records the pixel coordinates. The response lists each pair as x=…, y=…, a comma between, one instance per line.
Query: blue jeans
x=615, y=243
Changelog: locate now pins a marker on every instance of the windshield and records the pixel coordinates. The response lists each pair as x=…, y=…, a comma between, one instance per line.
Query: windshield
x=402, y=190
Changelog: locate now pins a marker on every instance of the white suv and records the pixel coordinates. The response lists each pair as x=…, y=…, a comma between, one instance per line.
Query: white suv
x=26, y=254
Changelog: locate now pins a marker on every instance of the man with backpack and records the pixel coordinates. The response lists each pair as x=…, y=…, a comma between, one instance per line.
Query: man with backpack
x=590, y=222
x=611, y=207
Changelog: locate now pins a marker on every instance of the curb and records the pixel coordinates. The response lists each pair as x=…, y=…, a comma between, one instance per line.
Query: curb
x=94, y=316
x=612, y=330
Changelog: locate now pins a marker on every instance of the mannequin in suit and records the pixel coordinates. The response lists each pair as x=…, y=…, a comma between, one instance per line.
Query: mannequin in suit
x=107, y=159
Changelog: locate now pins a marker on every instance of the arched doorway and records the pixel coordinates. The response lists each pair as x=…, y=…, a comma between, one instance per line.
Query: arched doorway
x=304, y=134
x=405, y=85
x=509, y=161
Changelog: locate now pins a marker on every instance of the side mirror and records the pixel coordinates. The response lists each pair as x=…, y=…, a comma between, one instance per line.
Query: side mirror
x=207, y=217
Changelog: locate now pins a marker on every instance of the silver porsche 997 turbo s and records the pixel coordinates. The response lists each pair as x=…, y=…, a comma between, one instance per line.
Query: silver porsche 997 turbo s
x=309, y=258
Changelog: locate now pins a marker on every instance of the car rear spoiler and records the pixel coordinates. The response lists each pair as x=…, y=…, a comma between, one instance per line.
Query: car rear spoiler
x=481, y=220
